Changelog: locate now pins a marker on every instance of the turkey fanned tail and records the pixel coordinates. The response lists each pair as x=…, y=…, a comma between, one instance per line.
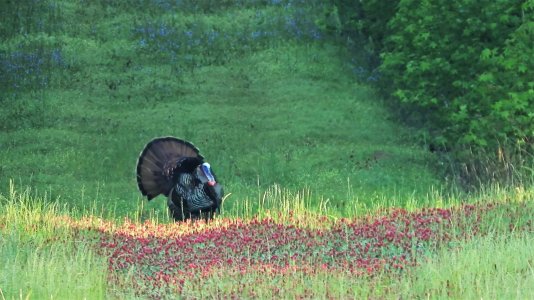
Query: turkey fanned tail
x=158, y=161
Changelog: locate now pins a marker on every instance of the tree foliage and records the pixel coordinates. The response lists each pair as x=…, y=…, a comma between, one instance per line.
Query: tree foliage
x=462, y=70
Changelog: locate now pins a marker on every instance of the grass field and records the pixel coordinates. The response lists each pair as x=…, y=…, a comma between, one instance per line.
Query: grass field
x=474, y=251
x=283, y=111
x=329, y=196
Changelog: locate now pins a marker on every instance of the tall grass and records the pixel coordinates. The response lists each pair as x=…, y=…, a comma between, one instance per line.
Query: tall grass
x=43, y=258
x=59, y=270
x=282, y=201
x=489, y=267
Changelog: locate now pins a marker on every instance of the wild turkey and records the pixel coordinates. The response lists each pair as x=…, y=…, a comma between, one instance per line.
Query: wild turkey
x=175, y=168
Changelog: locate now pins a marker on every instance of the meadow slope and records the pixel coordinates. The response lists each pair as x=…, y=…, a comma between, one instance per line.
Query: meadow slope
x=279, y=109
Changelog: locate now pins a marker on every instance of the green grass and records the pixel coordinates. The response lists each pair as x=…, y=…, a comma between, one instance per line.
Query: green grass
x=489, y=267
x=44, y=256
x=41, y=258
x=287, y=114
x=57, y=271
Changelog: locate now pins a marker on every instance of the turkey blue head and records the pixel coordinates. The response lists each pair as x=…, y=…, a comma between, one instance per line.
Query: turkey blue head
x=205, y=174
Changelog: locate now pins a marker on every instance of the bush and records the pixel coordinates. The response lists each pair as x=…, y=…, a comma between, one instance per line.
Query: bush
x=462, y=70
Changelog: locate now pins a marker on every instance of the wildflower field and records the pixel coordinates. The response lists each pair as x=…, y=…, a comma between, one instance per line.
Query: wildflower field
x=480, y=250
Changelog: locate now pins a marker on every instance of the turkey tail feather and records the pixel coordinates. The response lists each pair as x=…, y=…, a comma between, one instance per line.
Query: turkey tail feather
x=157, y=161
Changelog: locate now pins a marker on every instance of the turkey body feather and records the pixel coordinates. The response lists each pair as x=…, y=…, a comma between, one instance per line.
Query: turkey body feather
x=173, y=167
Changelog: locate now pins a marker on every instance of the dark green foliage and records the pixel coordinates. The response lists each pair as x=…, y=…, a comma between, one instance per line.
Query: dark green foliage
x=509, y=82
x=369, y=18
x=363, y=29
x=433, y=59
x=462, y=70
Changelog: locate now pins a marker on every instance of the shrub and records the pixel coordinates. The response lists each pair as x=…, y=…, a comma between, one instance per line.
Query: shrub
x=462, y=70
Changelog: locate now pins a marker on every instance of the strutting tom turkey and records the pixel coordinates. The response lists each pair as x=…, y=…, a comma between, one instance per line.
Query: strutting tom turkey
x=175, y=168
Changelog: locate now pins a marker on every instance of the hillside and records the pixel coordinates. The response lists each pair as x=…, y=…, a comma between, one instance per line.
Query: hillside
x=264, y=90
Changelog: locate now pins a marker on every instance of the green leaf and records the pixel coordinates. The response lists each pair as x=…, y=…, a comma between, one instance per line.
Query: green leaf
x=486, y=77
x=486, y=53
